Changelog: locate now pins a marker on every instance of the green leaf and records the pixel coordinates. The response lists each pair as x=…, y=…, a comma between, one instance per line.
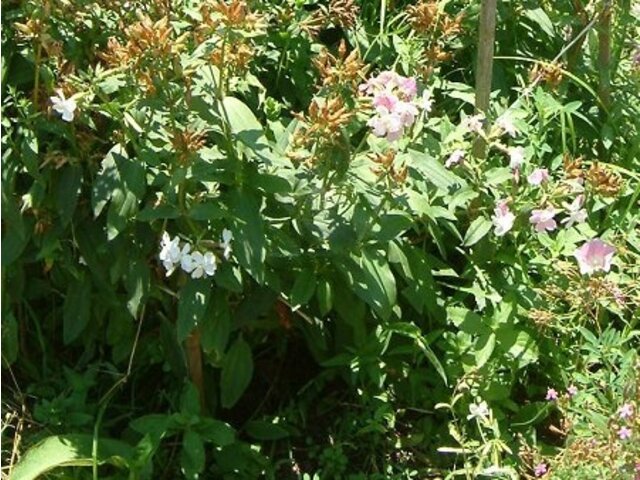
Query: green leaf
x=243, y=124
x=324, y=294
x=69, y=451
x=76, y=309
x=484, y=347
x=237, y=370
x=220, y=433
x=194, y=298
x=477, y=230
x=137, y=281
x=303, y=288
x=193, y=457
x=434, y=171
x=249, y=245
x=261, y=430
x=216, y=327
x=67, y=192
x=372, y=280
x=542, y=20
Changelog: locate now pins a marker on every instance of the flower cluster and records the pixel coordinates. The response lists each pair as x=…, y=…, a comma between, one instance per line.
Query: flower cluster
x=193, y=262
x=625, y=414
x=395, y=102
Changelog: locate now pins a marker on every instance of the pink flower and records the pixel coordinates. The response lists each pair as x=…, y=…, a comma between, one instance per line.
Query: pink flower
x=593, y=256
x=552, y=394
x=538, y=176
x=624, y=433
x=408, y=87
x=572, y=390
x=542, y=220
x=540, y=469
x=626, y=411
x=576, y=213
x=455, y=158
x=516, y=158
x=407, y=113
x=386, y=100
x=503, y=218
x=386, y=124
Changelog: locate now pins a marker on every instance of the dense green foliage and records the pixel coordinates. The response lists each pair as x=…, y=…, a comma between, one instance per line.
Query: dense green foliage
x=274, y=239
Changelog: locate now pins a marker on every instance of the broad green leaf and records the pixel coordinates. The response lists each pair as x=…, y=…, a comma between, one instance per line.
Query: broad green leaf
x=434, y=171
x=9, y=337
x=477, y=230
x=216, y=327
x=237, y=370
x=303, y=288
x=324, y=293
x=137, y=281
x=262, y=430
x=249, y=245
x=542, y=20
x=194, y=298
x=220, y=433
x=67, y=192
x=243, y=124
x=484, y=347
x=69, y=451
x=76, y=309
x=192, y=458
x=372, y=280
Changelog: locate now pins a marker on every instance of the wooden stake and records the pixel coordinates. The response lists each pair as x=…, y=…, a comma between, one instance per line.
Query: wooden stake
x=194, y=357
x=484, y=66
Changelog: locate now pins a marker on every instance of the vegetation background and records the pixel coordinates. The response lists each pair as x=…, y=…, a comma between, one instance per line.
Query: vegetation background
x=320, y=239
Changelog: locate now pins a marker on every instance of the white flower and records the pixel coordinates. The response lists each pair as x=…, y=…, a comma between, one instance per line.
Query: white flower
x=64, y=106
x=516, y=157
x=576, y=213
x=455, y=158
x=474, y=123
x=503, y=218
x=170, y=253
x=425, y=101
x=505, y=122
x=479, y=411
x=227, y=237
x=202, y=264
x=210, y=264
x=186, y=259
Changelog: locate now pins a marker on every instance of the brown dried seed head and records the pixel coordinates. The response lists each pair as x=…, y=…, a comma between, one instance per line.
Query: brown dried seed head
x=602, y=180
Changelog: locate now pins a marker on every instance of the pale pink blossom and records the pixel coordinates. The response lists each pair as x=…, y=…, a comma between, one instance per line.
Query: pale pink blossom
x=624, y=433
x=576, y=214
x=542, y=220
x=552, y=394
x=407, y=112
x=540, y=469
x=625, y=411
x=595, y=255
x=538, y=176
x=572, y=390
x=408, y=87
x=516, y=158
x=502, y=219
x=386, y=124
x=455, y=158
x=386, y=100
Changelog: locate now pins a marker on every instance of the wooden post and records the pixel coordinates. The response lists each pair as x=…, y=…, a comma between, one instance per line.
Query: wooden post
x=194, y=358
x=604, y=55
x=484, y=66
